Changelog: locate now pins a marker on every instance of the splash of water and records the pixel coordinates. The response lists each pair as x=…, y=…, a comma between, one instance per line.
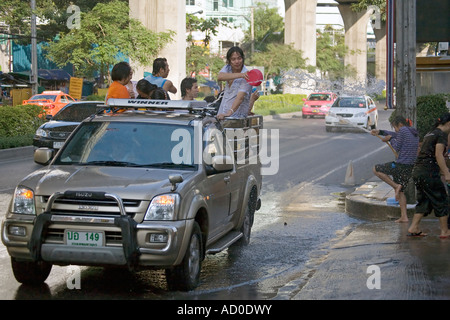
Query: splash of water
x=308, y=82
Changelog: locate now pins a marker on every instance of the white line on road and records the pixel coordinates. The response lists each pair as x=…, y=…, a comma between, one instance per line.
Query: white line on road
x=315, y=180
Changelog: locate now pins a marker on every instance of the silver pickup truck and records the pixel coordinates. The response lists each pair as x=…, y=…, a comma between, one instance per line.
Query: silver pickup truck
x=141, y=184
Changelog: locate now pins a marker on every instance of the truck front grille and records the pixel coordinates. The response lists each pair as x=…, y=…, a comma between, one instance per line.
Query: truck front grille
x=69, y=206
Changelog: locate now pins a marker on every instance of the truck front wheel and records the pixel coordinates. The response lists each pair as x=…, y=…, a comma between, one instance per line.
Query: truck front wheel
x=29, y=272
x=186, y=276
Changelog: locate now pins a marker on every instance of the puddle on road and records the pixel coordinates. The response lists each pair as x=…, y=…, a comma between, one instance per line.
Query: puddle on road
x=286, y=246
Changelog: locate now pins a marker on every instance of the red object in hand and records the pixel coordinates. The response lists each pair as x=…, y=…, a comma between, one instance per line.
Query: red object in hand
x=255, y=77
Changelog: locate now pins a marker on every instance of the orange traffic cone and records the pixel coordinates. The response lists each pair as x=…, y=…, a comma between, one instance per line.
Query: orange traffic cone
x=349, y=176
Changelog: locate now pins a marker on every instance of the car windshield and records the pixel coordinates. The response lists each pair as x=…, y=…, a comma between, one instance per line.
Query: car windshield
x=75, y=112
x=43, y=97
x=350, y=103
x=130, y=144
x=319, y=97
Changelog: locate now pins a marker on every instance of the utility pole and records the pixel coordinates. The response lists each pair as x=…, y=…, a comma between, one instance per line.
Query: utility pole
x=252, y=28
x=34, y=66
x=405, y=13
x=390, y=14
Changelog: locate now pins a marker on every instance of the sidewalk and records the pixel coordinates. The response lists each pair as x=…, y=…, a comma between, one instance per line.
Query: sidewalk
x=377, y=260
x=371, y=202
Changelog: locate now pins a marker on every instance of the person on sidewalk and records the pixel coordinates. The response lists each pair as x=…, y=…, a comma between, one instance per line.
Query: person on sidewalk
x=405, y=141
x=431, y=192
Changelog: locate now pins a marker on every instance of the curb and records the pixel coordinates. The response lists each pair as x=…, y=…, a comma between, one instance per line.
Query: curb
x=360, y=207
x=368, y=202
x=14, y=153
x=297, y=114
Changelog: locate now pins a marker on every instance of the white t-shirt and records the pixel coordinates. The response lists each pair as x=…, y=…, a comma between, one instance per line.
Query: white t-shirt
x=230, y=93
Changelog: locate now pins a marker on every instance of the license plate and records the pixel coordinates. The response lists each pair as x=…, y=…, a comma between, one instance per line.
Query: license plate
x=316, y=110
x=58, y=144
x=84, y=238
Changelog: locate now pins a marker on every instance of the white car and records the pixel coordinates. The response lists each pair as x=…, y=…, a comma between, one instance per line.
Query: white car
x=352, y=112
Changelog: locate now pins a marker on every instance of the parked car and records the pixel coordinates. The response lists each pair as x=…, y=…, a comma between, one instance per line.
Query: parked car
x=318, y=104
x=52, y=101
x=54, y=133
x=351, y=112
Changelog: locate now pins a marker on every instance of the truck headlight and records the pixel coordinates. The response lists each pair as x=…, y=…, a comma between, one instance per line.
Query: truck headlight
x=41, y=133
x=23, y=201
x=163, y=207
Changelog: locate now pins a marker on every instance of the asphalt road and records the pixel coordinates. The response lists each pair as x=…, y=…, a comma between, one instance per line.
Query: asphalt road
x=302, y=216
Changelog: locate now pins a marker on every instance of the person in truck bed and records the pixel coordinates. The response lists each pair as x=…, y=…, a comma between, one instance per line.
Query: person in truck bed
x=121, y=74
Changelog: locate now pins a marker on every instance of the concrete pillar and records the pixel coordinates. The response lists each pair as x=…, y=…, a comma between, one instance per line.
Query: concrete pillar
x=300, y=27
x=380, y=52
x=160, y=16
x=355, y=24
x=300, y=32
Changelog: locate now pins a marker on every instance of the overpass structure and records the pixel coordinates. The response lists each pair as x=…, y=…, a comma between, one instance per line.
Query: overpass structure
x=300, y=30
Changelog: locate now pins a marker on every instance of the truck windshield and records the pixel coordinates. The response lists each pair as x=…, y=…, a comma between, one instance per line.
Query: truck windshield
x=130, y=144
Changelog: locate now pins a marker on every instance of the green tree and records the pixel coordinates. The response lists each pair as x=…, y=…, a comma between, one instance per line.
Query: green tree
x=330, y=53
x=106, y=36
x=278, y=58
x=362, y=5
x=269, y=28
x=16, y=14
x=199, y=56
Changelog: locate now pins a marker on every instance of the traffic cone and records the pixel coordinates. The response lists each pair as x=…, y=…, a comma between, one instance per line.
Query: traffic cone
x=349, y=176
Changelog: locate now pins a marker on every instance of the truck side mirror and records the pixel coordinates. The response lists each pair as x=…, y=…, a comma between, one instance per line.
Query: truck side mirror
x=222, y=163
x=43, y=155
x=174, y=179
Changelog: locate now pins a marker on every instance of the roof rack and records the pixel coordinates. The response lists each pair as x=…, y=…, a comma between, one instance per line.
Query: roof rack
x=157, y=104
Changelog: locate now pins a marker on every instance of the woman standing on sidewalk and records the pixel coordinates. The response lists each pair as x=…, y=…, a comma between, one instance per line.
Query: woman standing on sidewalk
x=405, y=141
x=431, y=192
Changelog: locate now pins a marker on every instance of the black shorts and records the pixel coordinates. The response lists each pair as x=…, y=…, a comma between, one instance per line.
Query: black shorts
x=401, y=173
x=431, y=193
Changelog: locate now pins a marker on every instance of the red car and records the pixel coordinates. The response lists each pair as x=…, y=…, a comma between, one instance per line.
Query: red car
x=318, y=104
x=52, y=101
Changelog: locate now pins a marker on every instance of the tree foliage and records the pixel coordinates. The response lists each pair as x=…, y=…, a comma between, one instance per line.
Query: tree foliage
x=198, y=57
x=278, y=58
x=268, y=25
x=330, y=53
x=52, y=15
x=106, y=36
x=362, y=5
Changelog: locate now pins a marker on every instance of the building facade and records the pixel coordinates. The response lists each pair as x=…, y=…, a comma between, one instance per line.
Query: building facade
x=235, y=13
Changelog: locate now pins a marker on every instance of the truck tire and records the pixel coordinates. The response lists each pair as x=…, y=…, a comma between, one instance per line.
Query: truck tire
x=30, y=272
x=186, y=276
x=246, y=228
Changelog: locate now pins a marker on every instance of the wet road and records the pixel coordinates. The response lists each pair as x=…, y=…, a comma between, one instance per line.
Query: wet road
x=301, y=217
